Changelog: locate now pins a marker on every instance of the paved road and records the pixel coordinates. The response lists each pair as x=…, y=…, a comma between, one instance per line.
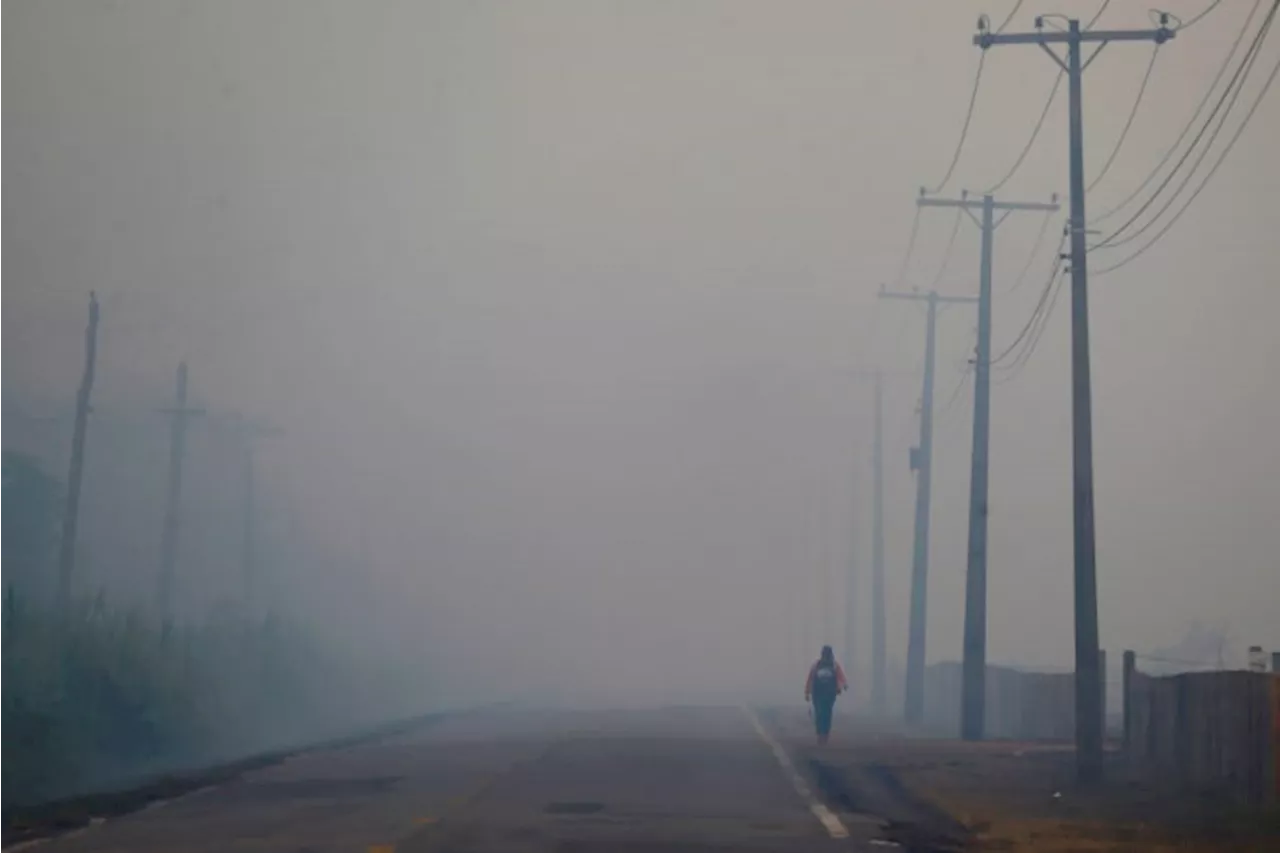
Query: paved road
x=677, y=779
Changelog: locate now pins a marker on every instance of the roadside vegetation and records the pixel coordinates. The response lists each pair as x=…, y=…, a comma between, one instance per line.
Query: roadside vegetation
x=107, y=695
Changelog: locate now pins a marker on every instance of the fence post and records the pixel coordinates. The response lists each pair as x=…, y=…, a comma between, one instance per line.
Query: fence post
x=1275, y=732
x=1102, y=692
x=1126, y=696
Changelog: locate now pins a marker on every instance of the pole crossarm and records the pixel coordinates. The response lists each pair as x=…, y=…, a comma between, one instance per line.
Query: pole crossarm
x=926, y=297
x=1159, y=35
x=876, y=374
x=976, y=204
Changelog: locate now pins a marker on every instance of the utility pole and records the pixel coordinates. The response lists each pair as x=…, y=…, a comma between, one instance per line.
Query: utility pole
x=178, y=415
x=922, y=464
x=878, y=649
x=973, y=690
x=75, y=475
x=1089, y=710
x=850, y=587
x=878, y=699
x=249, y=432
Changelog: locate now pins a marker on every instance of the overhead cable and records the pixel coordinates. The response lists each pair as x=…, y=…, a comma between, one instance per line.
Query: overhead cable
x=1184, y=24
x=1250, y=59
x=1221, y=158
x=964, y=130
x=1009, y=17
x=1033, y=343
x=1035, y=132
x=1226, y=98
x=1204, y=100
x=1034, y=253
x=1097, y=14
x=1124, y=133
x=946, y=255
x=1054, y=270
x=954, y=395
x=911, y=245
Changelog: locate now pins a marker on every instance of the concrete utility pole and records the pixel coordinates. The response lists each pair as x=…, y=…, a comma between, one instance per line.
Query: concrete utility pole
x=878, y=686
x=972, y=705
x=178, y=415
x=75, y=475
x=1089, y=710
x=922, y=464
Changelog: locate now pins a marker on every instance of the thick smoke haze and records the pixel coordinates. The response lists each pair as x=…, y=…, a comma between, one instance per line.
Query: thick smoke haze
x=557, y=305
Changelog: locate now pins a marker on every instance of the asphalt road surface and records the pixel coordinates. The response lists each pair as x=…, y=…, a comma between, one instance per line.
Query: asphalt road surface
x=672, y=779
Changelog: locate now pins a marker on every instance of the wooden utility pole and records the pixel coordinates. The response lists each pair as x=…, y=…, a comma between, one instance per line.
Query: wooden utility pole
x=75, y=474
x=1089, y=698
x=972, y=705
x=878, y=650
x=178, y=415
x=851, y=585
x=878, y=685
x=922, y=464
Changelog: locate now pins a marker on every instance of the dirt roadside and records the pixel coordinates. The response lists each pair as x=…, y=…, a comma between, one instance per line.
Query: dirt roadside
x=949, y=795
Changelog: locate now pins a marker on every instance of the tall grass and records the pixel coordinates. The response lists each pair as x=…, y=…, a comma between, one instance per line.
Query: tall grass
x=106, y=696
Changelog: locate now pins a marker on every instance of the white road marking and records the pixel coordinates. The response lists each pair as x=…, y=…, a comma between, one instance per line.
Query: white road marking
x=825, y=816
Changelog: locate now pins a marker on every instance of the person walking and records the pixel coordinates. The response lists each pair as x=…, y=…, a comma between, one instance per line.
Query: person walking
x=826, y=681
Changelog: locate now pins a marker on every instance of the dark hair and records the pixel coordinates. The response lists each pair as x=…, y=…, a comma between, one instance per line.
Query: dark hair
x=827, y=653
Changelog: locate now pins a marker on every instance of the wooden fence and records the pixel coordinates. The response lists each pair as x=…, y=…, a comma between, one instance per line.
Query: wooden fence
x=1020, y=704
x=1207, y=731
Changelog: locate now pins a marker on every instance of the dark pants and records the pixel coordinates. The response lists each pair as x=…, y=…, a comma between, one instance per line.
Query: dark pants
x=822, y=707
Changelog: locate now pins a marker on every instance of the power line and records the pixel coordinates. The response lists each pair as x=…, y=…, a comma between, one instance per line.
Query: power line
x=1204, y=100
x=1245, y=64
x=1182, y=26
x=1250, y=58
x=1033, y=254
x=1230, y=96
x=1097, y=14
x=1013, y=370
x=1009, y=17
x=1124, y=133
x=911, y=245
x=955, y=393
x=1035, y=132
x=1221, y=158
x=946, y=255
x=1040, y=303
x=964, y=130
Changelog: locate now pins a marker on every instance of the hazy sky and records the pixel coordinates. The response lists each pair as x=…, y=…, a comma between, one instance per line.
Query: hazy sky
x=556, y=301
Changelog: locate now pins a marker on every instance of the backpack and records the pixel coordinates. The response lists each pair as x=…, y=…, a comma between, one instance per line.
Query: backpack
x=824, y=681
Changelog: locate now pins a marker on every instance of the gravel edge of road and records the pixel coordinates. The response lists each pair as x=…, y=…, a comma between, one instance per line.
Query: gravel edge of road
x=908, y=818
x=23, y=826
